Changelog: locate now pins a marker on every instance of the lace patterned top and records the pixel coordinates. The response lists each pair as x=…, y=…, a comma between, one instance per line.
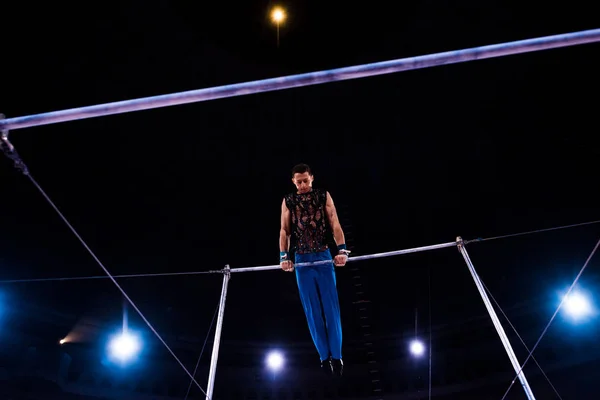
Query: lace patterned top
x=309, y=220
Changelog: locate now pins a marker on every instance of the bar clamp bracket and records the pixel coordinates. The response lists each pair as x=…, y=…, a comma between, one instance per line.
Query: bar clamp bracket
x=9, y=150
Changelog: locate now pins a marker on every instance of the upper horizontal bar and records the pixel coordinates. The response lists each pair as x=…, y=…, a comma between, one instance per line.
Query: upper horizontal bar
x=357, y=258
x=307, y=79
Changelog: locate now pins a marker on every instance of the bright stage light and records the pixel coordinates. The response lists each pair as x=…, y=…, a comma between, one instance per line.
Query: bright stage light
x=577, y=305
x=417, y=348
x=124, y=347
x=278, y=15
x=275, y=360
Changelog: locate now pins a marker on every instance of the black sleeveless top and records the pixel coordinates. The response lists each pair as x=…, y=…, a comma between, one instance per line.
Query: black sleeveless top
x=309, y=220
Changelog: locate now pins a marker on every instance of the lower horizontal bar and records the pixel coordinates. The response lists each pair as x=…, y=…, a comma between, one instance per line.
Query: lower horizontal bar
x=220, y=271
x=350, y=259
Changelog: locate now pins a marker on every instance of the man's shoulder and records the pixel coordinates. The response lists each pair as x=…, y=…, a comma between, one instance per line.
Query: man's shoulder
x=289, y=197
x=321, y=192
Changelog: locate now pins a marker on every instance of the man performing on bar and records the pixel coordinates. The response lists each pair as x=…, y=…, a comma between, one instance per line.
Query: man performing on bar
x=304, y=216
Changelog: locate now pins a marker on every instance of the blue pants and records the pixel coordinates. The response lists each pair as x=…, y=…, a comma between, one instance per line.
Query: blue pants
x=318, y=293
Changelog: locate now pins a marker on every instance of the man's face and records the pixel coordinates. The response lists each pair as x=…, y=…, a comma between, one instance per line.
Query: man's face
x=303, y=182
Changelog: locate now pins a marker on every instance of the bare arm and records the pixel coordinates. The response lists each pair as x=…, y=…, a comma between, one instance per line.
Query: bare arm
x=284, y=231
x=338, y=233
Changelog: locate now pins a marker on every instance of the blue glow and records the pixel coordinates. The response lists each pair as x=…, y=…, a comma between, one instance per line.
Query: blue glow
x=578, y=305
x=124, y=347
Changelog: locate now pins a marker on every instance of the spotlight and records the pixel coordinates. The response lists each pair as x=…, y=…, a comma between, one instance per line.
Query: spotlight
x=124, y=347
x=577, y=305
x=275, y=360
x=417, y=348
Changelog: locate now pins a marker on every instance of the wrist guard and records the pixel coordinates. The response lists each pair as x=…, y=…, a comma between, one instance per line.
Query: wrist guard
x=342, y=250
x=284, y=256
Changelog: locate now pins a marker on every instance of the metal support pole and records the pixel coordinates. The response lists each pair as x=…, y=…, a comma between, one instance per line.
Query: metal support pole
x=488, y=304
x=215, y=352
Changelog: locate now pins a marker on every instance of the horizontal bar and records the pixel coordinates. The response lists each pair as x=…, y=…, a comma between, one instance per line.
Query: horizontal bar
x=350, y=259
x=220, y=271
x=307, y=79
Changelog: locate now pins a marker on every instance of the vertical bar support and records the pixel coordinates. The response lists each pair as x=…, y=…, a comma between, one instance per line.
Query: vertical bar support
x=488, y=304
x=215, y=352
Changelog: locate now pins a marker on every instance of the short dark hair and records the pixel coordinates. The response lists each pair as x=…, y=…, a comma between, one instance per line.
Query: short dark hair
x=300, y=169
